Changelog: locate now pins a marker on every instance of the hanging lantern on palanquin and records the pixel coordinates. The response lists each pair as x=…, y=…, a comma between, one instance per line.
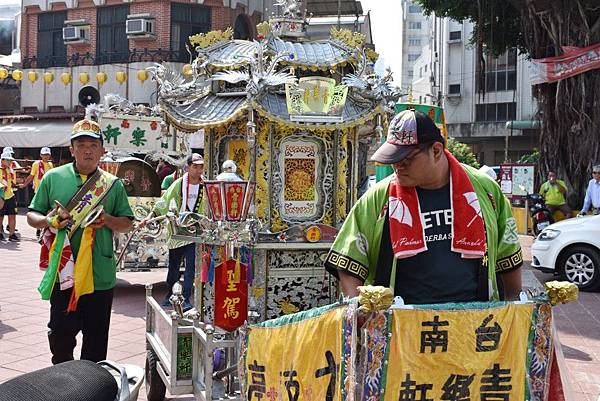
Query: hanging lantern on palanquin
x=48, y=77
x=121, y=77
x=32, y=76
x=84, y=78
x=65, y=77
x=17, y=75
x=101, y=77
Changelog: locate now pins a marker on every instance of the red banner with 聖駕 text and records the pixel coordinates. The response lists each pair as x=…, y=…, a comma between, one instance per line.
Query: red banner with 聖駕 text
x=231, y=295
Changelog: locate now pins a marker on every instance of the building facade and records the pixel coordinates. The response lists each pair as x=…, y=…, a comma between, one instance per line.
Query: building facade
x=416, y=34
x=104, y=44
x=9, y=55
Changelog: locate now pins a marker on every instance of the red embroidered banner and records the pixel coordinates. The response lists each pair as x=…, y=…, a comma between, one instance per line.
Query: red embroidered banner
x=234, y=199
x=574, y=61
x=231, y=295
x=215, y=199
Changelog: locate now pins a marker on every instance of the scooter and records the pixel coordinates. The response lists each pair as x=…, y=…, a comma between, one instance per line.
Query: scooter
x=540, y=214
x=78, y=380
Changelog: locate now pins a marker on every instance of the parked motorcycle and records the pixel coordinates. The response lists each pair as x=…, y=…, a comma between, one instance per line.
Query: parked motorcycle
x=540, y=214
x=77, y=380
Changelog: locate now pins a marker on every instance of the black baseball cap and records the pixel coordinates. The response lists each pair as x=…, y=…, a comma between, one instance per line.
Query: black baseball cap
x=407, y=130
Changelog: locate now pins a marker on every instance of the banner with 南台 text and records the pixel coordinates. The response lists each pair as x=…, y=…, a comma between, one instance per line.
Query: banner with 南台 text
x=475, y=354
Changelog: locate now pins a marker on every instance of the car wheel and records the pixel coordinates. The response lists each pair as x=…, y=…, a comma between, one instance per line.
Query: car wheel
x=581, y=266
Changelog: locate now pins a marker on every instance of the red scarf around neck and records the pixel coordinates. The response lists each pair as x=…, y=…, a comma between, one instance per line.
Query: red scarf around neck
x=41, y=169
x=406, y=228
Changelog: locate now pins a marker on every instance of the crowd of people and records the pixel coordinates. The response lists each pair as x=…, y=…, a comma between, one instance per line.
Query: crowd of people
x=9, y=185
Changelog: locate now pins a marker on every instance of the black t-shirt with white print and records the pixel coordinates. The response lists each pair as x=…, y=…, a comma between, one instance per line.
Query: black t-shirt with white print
x=437, y=275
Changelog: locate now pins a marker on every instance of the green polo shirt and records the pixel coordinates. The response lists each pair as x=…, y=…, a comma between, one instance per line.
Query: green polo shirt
x=61, y=184
x=167, y=181
x=551, y=193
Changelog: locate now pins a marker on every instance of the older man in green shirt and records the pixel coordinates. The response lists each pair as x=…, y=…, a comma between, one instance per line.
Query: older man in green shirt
x=93, y=310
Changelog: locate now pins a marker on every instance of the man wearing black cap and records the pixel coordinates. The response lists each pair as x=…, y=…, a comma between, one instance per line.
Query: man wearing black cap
x=435, y=231
x=80, y=273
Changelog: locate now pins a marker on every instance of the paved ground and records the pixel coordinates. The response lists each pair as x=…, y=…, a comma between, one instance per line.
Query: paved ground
x=23, y=318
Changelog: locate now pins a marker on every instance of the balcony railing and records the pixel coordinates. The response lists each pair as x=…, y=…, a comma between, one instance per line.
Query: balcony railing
x=132, y=56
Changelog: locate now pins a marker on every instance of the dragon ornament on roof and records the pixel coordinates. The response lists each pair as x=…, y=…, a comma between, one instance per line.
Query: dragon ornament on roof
x=229, y=77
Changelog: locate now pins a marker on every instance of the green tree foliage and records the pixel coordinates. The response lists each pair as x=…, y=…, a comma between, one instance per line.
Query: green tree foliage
x=497, y=22
x=531, y=158
x=462, y=152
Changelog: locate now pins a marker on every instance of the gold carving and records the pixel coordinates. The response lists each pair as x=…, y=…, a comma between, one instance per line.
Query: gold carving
x=204, y=40
x=372, y=55
x=264, y=29
x=352, y=39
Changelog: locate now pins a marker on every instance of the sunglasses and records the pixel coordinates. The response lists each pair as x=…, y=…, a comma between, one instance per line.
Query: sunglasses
x=595, y=172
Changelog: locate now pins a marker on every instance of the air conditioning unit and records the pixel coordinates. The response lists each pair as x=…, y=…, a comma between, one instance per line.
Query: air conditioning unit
x=139, y=26
x=76, y=33
x=454, y=90
x=455, y=37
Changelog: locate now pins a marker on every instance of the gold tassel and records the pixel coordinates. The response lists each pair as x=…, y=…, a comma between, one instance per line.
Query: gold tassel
x=373, y=298
x=561, y=292
x=237, y=272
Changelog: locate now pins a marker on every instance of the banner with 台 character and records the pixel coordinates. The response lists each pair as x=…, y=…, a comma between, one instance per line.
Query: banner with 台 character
x=301, y=357
x=475, y=353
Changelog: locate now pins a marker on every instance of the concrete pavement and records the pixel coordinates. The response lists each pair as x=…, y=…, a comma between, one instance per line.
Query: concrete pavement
x=23, y=318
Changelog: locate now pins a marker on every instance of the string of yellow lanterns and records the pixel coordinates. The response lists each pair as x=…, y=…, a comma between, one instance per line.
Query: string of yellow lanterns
x=84, y=77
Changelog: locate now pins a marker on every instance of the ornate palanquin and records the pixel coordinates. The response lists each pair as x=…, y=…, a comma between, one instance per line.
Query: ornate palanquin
x=297, y=117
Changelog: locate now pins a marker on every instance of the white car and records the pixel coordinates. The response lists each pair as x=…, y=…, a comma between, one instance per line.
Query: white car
x=571, y=249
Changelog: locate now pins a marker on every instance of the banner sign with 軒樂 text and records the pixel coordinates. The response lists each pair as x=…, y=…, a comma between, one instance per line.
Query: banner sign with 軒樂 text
x=139, y=134
x=500, y=353
x=300, y=357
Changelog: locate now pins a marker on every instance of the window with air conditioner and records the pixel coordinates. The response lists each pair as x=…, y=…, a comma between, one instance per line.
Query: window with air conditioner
x=454, y=90
x=139, y=26
x=455, y=36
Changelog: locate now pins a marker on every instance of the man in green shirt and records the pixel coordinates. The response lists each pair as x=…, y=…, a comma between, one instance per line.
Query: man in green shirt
x=435, y=231
x=554, y=192
x=187, y=193
x=92, y=316
x=168, y=180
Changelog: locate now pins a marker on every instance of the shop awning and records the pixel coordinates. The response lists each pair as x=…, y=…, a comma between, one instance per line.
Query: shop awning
x=523, y=124
x=36, y=134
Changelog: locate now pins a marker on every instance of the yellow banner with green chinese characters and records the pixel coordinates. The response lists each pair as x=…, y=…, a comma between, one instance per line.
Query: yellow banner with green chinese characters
x=458, y=354
x=297, y=360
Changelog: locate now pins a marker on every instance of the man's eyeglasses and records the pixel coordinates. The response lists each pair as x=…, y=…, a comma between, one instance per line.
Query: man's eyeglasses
x=409, y=159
